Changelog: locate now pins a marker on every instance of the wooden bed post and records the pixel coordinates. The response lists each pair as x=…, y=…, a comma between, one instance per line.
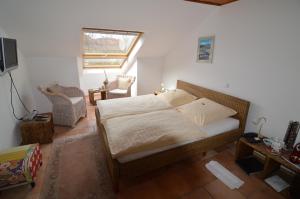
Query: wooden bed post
x=115, y=176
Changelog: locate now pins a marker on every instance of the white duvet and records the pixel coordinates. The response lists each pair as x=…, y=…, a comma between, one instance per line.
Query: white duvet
x=136, y=133
x=130, y=106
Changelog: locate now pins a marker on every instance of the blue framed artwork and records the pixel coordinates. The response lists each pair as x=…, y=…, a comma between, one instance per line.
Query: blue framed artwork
x=205, y=49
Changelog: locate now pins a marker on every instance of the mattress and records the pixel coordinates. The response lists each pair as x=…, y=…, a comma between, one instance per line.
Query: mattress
x=130, y=106
x=211, y=129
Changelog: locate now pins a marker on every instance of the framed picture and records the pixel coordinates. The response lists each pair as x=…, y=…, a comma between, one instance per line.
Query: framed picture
x=205, y=49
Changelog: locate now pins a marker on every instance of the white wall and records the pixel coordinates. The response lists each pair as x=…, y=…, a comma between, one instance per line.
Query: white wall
x=9, y=130
x=68, y=71
x=49, y=70
x=133, y=71
x=256, y=57
x=149, y=74
x=92, y=80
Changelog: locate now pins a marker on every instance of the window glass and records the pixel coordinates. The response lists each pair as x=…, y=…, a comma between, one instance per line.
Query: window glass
x=107, y=48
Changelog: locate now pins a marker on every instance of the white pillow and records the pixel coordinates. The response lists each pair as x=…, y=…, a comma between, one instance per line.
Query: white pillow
x=177, y=97
x=205, y=111
x=123, y=83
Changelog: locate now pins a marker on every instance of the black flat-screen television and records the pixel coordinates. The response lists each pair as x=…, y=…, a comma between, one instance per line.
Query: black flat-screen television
x=8, y=55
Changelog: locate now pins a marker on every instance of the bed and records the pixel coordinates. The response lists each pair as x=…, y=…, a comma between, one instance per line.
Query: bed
x=140, y=161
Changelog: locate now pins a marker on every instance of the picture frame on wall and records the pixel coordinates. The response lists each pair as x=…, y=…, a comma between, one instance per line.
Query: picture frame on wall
x=205, y=49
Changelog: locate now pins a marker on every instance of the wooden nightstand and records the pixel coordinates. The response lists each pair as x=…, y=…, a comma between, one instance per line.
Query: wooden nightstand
x=37, y=131
x=271, y=163
x=93, y=92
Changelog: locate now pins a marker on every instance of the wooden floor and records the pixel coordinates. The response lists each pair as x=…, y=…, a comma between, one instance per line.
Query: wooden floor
x=185, y=180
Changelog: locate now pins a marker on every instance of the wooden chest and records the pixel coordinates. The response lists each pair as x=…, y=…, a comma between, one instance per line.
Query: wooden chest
x=37, y=131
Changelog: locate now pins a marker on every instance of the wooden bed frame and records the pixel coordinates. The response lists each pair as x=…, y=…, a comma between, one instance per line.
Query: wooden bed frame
x=157, y=160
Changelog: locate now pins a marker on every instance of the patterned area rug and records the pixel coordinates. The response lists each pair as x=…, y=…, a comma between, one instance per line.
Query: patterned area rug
x=77, y=170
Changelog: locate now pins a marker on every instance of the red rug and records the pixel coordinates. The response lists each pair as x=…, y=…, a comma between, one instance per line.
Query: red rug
x=77, y=170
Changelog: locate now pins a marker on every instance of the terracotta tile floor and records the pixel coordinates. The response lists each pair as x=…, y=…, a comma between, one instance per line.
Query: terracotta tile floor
x=187, y=179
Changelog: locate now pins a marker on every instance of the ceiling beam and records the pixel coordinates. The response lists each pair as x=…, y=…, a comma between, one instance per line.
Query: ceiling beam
x=213, y=2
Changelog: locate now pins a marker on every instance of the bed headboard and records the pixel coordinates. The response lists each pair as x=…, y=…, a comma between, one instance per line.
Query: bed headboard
x=239, y=105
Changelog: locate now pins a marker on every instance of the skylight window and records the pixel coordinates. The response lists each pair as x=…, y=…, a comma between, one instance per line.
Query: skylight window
x=107, y=48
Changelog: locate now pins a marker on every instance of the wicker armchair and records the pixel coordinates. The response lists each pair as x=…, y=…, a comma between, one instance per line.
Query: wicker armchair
x=121, y=87
x=68, y=104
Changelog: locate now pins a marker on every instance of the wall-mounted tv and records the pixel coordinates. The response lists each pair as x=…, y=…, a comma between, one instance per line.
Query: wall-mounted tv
x=8, y=55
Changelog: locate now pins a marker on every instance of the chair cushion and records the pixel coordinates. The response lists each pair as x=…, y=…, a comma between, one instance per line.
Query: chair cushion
x=118, y=91
x=124, y=83
x=75, y=100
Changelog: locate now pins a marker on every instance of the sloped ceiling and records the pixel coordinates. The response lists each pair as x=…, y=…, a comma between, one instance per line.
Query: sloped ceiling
x=50, y=28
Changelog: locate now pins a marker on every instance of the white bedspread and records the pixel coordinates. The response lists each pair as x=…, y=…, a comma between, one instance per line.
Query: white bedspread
x=135, y=133
x=130, y=105
x=214, y=128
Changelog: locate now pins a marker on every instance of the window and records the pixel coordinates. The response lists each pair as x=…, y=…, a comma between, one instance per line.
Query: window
x=104, y=48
